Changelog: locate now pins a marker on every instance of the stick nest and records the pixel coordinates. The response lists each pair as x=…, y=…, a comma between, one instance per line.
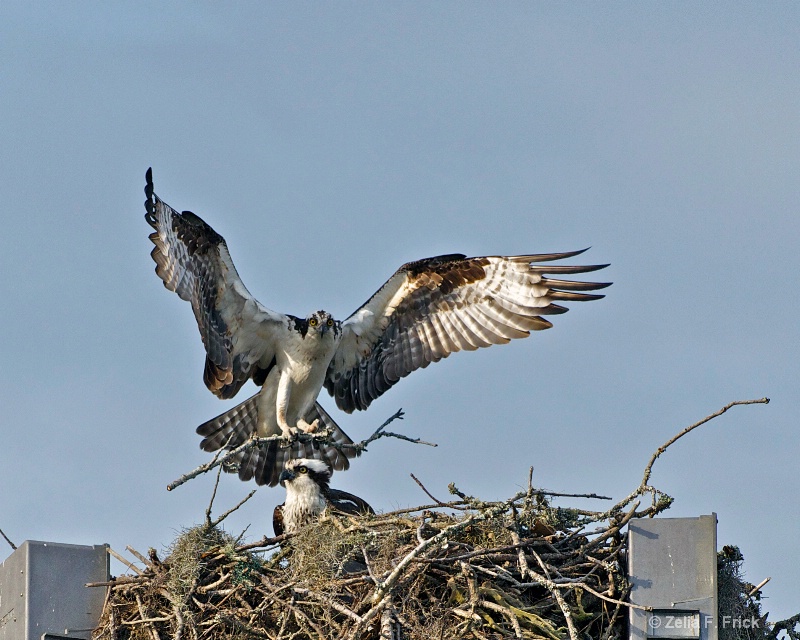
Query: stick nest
x=520, y=568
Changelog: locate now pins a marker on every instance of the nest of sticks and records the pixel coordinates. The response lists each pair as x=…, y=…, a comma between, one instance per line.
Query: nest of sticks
x=461, y=569
x=464, y=568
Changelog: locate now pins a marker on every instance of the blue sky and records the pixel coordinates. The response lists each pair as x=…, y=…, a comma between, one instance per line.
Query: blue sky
x=330, y=143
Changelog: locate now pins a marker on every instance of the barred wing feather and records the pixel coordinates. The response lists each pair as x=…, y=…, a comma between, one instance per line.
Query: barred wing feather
x=434, y=307
x=265, y=462
x=192, y=260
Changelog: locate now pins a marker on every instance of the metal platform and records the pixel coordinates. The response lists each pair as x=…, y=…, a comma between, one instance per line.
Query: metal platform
x=42, y=592
x=672, y=564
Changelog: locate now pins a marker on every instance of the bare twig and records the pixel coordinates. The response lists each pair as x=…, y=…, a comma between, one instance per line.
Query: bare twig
x=648, y=469
x=758, y=587
x=427, y=493
x=124, y=561
x=121, y=580
x=5, y=537
x=265, y=542
x=222, y=456
x=644, y=488
x=530, y=485
x=146, y=620
x=455, y=504
x=213, y=495
x=232, y=509
x=380, y=433
x=555, y=494
x=138, y=556
x=612, y=600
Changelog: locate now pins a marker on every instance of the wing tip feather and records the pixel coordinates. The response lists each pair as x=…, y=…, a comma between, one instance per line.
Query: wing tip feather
x=548, y=257
x=149, y=203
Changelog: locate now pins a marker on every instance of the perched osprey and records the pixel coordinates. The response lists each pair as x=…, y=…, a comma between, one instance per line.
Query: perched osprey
x=427, y=310
x=308, y=495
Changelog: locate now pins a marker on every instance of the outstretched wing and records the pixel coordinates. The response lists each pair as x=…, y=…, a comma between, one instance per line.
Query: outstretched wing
x=192, y=259
x=431, y=308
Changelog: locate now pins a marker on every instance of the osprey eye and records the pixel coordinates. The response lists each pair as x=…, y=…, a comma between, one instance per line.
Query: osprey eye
x=313, y=322
x=330, y=322
x=302, y=470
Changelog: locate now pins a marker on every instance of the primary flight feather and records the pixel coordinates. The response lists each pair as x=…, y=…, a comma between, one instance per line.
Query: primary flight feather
x=427, y=310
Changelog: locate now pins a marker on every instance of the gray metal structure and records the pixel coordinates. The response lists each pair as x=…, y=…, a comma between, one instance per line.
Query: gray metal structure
x=672, y=564
x=43, y=594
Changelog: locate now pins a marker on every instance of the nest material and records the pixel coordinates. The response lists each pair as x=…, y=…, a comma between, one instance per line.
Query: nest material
x=520, y=568
x=740, y=606
x=735, y=602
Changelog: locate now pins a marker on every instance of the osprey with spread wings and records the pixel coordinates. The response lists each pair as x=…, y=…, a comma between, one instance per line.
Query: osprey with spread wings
x=427, y=310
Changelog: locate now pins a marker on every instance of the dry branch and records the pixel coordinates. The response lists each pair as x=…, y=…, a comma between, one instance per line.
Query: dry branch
x=5, y=537
x=322, y=436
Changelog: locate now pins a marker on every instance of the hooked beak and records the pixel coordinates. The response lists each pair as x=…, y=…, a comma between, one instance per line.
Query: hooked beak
x=285, y=475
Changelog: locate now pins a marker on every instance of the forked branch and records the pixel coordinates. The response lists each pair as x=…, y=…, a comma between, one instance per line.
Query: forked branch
x=323, y=437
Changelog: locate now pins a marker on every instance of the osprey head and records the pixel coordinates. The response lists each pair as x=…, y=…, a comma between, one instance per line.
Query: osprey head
x=305, y=475
x=322, y=323
x=306, y=483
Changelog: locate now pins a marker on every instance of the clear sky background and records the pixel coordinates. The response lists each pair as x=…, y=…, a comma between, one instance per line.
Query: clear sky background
x=329, y=144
